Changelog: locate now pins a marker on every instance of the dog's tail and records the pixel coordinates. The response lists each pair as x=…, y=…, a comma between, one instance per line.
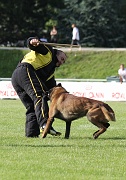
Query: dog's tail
x=108, y=112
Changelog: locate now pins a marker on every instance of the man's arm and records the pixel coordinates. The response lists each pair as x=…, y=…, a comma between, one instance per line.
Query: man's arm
x=120, y=78
x=33, y=44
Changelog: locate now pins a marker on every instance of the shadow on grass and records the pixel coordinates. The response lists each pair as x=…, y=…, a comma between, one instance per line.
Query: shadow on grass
x=66, y=145
x=113, y=138
x=30, y=145
x=99, y=138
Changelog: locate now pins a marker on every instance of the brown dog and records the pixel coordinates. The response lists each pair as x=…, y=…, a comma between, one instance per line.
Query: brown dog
x=68, y=107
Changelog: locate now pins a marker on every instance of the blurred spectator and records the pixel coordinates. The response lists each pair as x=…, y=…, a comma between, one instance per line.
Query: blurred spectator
x=53, y=34
x=75, y=35
x=122, y=73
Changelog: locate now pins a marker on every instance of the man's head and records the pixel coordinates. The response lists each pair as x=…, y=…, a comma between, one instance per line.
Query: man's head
x=122, y=66
x=61, y=58
x=73, y=25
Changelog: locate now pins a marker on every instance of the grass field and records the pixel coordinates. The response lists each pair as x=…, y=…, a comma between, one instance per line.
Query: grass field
x=85, y=65
x=55, y=158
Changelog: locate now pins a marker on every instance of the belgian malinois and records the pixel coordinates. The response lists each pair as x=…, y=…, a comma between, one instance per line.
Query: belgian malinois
x=68, y=107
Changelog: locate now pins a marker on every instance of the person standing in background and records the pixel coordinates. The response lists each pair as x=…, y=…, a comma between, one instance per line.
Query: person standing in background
x=122, y=73
x=75, y=36
x=53, y=35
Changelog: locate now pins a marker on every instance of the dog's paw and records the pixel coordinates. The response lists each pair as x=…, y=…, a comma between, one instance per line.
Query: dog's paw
x=95, y=135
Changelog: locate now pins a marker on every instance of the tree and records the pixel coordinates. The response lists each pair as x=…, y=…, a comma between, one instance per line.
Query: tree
x=21, y=19
x=101, y=22
x=97, y=20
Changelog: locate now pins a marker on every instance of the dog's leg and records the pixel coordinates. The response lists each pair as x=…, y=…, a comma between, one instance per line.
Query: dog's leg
x=47, y=127
x=95, y=133
x=96, y=117
x=67, y=133
x=103, y=127
x=100, y=131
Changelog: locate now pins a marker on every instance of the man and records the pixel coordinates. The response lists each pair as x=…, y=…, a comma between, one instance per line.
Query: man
x=75, y=35
x=32, y=77
x=122, y=73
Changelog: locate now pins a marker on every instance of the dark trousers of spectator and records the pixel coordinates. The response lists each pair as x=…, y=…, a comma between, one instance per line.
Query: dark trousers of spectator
x=75, y=42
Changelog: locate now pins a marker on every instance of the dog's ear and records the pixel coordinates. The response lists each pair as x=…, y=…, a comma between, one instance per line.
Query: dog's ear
x=59, y=85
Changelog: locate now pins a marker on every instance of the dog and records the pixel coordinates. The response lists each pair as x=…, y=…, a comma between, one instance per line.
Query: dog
x=68, y=107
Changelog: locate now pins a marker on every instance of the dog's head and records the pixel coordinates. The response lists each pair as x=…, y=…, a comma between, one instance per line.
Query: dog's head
x=55, y=91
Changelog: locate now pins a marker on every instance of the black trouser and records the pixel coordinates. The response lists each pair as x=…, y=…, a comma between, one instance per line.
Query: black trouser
x=30, y=90
x=75, y=42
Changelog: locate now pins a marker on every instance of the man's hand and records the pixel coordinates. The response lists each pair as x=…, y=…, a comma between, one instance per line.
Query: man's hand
x=34, y=42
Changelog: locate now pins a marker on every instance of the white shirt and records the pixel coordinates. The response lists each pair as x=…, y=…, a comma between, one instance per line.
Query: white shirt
x=122, y=73
x=75, y=34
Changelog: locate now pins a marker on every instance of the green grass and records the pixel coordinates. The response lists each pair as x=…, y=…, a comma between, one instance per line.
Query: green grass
x=9, y=60
x=55, y=158
x=85, y=65
x=91, y=65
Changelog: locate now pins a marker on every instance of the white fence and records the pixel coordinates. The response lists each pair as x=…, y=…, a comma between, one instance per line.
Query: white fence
x=104, y=91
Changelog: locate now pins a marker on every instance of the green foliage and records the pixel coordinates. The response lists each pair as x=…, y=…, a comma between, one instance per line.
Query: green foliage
x=78, y=158
x=98, y=22
x=21, y=19
x=101, y=23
